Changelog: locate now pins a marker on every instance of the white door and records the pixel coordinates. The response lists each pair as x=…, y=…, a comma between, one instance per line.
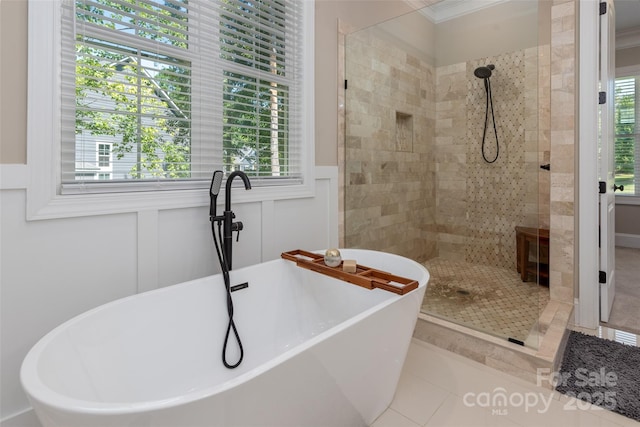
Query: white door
x=606, y=146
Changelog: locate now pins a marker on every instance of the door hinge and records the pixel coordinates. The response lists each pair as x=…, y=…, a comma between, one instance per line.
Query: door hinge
x=603, y=8
x=602, y=187
x=602, y=98
x=602, y=276
x=345, y=84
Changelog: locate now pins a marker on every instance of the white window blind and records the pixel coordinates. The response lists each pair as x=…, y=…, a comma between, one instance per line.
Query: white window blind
x=178, y=89
x=627, y=145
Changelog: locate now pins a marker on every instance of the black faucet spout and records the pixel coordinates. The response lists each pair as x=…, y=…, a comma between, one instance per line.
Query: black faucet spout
x=227, y=195
x=228, y=225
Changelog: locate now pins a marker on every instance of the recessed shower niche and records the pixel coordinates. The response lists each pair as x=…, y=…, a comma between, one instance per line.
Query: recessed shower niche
x=414, y=102
x=404, y=132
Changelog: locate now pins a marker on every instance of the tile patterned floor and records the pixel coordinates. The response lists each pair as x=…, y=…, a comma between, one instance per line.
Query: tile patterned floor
x=441, y=389
x=490, y=299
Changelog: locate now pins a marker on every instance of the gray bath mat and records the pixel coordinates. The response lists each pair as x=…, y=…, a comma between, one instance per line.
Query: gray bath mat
x=603, y=372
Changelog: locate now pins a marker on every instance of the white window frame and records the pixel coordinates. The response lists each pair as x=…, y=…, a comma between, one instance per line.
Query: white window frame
x=628, y=199
x=109, y=167
x=43, y=136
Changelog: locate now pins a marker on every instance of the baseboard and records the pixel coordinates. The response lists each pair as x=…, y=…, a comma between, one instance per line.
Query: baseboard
x=24, y=419
x=628, y=240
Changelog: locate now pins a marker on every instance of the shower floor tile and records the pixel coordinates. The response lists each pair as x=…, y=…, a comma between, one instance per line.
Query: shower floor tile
x=490, y=299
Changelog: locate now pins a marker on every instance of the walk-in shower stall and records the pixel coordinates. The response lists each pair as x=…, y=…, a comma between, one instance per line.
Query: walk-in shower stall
x=446, y=130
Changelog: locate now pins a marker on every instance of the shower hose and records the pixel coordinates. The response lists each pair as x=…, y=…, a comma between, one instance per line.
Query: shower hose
x=227, y=284
x=487, y=87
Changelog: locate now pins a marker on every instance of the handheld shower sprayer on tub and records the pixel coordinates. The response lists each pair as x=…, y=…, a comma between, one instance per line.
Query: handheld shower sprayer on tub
x=226, y=227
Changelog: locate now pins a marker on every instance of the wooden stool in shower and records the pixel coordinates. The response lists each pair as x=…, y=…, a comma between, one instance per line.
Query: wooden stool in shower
x=524, y=237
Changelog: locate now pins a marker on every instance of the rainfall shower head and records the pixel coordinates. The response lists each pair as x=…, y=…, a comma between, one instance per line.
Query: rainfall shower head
x=484, y=72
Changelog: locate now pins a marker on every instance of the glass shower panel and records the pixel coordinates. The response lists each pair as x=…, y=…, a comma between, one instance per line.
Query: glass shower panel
x=427, y=173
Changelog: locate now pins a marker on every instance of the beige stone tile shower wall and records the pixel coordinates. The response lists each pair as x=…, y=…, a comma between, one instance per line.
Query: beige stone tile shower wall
x=543, y=134
x=451, y=159
x=556, y=141
x=563, y=150
x=389, y=169
x=415, y=180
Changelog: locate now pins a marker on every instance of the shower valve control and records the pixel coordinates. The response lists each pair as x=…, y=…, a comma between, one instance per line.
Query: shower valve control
x=237, y=226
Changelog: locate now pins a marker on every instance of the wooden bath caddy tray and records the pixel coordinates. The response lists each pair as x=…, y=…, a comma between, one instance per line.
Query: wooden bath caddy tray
x=364, y=276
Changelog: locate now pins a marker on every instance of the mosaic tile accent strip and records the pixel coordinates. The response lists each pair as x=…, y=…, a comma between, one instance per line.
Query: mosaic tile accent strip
x=490, y=299
x=479, y=203
x=496, y=191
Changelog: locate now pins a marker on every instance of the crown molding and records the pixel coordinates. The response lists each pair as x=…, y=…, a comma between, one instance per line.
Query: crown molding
x=449, y=9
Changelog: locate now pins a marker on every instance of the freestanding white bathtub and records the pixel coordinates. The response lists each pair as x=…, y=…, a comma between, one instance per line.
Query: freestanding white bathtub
x=318, y=352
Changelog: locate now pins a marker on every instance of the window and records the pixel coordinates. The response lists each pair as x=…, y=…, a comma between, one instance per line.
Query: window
x=133, y=80
x=96, y=166
x=104, y=156
x=184, y=87
x=627, y=144
x=178, y=89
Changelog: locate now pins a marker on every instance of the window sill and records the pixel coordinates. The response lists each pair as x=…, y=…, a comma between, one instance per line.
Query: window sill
x=627, y=200
x=66, y=206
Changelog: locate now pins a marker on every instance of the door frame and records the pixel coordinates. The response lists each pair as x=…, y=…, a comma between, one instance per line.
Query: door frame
x=607, y=162
x=587, y=303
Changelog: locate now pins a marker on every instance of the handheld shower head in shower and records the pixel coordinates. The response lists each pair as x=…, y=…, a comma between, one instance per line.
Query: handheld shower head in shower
x=484, y=72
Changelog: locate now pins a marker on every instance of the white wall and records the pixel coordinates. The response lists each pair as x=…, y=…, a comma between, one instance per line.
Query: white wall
x=52, y=270
x=481, y=34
